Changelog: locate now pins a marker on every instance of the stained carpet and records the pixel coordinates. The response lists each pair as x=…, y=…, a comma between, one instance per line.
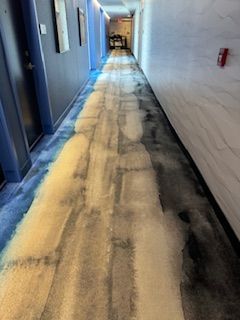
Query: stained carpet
x=120, y=227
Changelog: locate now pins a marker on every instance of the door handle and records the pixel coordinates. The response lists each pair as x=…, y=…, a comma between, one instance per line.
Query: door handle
x=29, y=66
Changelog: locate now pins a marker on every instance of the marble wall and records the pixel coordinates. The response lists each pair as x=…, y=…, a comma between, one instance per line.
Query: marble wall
x=181, y=41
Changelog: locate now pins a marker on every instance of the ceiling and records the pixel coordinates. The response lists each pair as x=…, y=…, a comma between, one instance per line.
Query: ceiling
x=119, y=8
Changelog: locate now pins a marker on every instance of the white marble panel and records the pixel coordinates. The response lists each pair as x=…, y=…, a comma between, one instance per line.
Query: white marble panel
x=181, y=41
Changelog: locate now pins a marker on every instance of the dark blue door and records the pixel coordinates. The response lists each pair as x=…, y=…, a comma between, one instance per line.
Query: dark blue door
x=20, y=67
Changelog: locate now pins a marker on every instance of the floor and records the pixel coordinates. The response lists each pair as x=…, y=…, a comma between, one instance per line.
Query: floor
x=120, y=227
x=16, y=198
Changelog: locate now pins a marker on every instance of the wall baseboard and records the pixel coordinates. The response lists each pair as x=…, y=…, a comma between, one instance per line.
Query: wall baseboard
x=3, y=184
x=25, y=168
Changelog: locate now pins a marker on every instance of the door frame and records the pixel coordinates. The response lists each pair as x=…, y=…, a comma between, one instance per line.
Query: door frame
x=140, y=34
x=103, y=33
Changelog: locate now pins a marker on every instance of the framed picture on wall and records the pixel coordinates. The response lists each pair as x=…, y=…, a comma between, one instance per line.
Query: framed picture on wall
x=61, y=25
x=82, y=27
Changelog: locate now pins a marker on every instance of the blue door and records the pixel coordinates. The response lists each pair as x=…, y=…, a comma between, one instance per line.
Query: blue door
x=91, y=35
x=103, y=34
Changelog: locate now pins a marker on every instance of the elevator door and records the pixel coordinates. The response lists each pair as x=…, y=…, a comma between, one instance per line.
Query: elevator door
x=21, y=68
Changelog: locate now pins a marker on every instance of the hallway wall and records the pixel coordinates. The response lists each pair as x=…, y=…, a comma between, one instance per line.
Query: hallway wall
x=66, y=72
x=181, y=41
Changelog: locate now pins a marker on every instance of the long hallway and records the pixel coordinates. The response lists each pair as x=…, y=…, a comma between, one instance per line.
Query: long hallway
x=120, y=227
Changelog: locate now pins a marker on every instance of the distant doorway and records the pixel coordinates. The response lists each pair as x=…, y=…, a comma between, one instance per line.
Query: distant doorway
x=22, y=69
x=122, y=28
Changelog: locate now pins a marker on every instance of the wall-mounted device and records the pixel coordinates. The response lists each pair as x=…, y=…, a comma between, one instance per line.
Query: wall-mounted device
x=43, y=28
x=222, y=57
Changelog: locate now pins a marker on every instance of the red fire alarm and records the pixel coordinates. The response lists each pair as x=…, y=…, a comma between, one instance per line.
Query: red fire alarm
x=222, y=57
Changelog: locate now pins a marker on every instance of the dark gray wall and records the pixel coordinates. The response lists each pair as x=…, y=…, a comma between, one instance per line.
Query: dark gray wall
x=66, y=72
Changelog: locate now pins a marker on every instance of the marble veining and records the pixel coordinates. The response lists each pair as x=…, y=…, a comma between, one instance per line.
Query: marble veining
x=181, y=41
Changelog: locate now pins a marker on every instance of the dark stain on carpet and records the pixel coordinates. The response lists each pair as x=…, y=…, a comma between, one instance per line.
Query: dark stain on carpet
x=210, y=284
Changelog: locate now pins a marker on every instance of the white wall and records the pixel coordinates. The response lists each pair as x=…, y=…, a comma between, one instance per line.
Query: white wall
x=181, y=41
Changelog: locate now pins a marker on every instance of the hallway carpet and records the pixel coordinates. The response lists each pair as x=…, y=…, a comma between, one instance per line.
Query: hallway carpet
x=120, y=228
